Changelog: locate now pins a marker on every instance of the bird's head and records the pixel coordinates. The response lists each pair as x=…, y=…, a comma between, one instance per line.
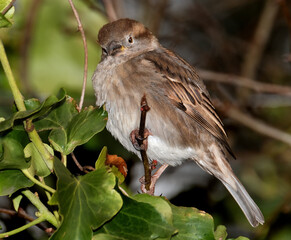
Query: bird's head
x=125, y=36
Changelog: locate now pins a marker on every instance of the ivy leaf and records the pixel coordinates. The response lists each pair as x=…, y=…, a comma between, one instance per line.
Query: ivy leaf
x=39, y=166
x=220, y=233
x=100, y=163
x=5, y=21
x=161, y=205
x=33, y=111
x=85, y=202
x=69, y=128
x=192, y=224
x=12, y=180
x=11, y=154
x=104, y=236
x=136, y=221
x=16, y=201
x=84, y=126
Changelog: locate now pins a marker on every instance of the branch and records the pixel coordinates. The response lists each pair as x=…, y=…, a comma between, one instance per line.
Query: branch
x=80, y=27
x=285, y=11
x=22, y=228
x=254, y=54
x=22, y=214
x=110, y=11
x=144, y=109
x=25, y=43
x=244, y=82
x=10, y=5
x=43, y=211
x=257, y=125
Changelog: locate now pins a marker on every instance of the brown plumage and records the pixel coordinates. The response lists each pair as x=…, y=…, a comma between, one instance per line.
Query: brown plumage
x=182, y=120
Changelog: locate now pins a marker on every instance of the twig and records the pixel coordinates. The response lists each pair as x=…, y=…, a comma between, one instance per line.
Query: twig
x=263, y=31
x=80, y=27
x=22, y=214
x=44, y=212
x=76, y=161
x=157, y=10
x=286, y=13
x=26, y=43
x=257, y=125
x=110, y=11
x=244, y=82
x=147, y=169
x=10, y=5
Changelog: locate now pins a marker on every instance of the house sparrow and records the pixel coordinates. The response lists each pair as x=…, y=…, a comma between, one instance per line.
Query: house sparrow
x=182, y=121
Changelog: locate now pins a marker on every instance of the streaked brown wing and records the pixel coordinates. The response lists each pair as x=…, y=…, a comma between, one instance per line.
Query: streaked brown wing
x=187, y=92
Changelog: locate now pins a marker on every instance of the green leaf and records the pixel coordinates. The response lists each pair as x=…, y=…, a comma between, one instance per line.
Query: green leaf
x=5, y=21
x=71, y=128
x=137, y=221
x=100, y=163
x=12, y=180
x=240, y=238
x=58, y=139
x=220, y=233
x=103, y=236
x=192, y=224
x=85, y=203
x=84, y=126
x=33, y=113
x=39, y=166
x=11, y=154
x=32, y=103
x=16, y=202
x=161, y=205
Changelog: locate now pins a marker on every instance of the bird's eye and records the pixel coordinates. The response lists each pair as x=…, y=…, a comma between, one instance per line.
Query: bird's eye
x=104, y=51
x=130, y=40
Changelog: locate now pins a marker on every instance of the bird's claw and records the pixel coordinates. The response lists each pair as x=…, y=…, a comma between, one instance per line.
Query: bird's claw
x=135, y=138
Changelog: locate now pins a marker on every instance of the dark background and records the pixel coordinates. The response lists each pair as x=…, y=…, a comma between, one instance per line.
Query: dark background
x=246, y=40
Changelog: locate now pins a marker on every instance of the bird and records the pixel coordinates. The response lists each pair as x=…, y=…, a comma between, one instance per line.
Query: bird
x=182, y=121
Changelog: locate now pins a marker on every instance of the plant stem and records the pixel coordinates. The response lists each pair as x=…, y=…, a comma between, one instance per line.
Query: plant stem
x=32, y=133
x=64, y=159
x=22, y=228
x=44, y=212
x=35, y=138
x=46, y=187
x=15, y=91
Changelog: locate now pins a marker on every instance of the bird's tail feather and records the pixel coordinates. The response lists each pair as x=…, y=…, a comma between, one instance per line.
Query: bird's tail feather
x=246, y=203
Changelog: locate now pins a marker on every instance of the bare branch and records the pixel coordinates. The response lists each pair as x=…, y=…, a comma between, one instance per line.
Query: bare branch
x=144, y=109
x=25, y=44
x=286, y=13
x=10, y=5
x=244, y=82
x=254, y=54
x=110, y=10
x=257, y=125
x=80, y=27
x=22, y=214
x=77, y=162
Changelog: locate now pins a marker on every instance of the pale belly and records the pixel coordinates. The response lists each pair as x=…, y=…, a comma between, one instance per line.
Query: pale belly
x=121, y=124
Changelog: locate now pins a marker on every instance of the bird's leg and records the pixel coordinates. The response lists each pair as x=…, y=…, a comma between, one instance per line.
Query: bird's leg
x=154, y=180
x=136, y=139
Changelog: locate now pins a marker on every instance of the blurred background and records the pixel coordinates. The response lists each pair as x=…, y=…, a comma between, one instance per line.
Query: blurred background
x=241, y=49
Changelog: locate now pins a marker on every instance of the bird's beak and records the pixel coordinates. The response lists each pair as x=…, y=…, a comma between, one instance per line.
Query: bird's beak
x=114, y=47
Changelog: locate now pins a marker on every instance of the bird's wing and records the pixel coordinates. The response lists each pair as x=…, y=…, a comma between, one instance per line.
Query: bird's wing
x=187, y=92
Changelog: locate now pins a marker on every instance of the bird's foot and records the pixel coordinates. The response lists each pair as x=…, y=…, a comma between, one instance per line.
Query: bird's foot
x=136, y=139
x=154, y=179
